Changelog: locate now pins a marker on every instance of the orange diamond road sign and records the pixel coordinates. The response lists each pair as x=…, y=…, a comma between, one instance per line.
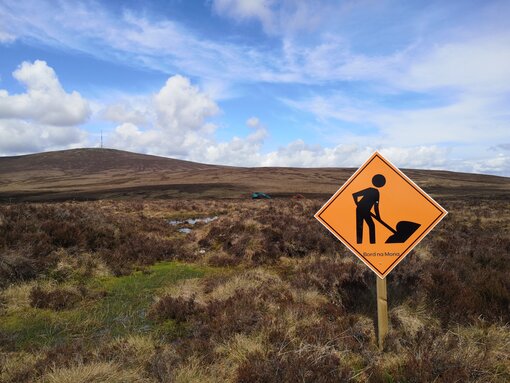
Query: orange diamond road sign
x=380, y=214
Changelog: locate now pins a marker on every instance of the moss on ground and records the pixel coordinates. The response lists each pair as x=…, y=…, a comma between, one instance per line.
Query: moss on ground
x=121, y=311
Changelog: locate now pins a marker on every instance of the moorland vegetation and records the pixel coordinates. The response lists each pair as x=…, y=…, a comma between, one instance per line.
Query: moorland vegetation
x=110, y=291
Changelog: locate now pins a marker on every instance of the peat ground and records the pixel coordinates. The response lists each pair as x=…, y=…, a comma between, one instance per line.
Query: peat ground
x=112, y=291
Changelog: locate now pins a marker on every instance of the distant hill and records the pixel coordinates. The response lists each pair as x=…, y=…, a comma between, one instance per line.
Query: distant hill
x=108, y=173
x=93, y=161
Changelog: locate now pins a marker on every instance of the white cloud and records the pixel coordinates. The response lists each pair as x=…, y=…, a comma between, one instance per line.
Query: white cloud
x=468, y=62
x=476, y=65
x=44, y=117
x=6, y=37
x=176, y=118
x=128, y=136
x=331, y=59
x=238, y=151
x=20, y=137
x=424, y=157
x=178, y=126
x=491, y=162
x=470, y=119
x=322, y=57
x=168, y=46
x=495, y=165
x=45, y=101
x=337, y=106
x=181, y=106
x=282, y=17
x=163, y=45
x=253, y=122
x=124, y=111
x=299, y=154
x=241, y=10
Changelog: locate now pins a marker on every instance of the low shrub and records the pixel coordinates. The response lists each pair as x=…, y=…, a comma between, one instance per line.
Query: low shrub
x=307, y=366
x=222, y=260
x=16, y=267
x=59, y=298
x=178, y=309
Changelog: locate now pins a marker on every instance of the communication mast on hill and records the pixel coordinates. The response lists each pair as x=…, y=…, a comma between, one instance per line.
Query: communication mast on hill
x=101, y=138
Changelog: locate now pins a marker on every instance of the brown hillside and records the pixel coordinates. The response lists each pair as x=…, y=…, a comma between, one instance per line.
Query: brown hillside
x=93, y=161
x=108, y=173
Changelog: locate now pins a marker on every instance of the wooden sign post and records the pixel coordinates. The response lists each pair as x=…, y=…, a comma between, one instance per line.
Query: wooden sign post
x=380, y=215
x=382, y=311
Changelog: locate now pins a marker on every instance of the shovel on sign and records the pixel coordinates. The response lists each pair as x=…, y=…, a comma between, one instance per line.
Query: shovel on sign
x=402, y=232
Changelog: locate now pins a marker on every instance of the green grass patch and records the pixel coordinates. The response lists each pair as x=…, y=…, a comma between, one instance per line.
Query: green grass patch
x=128, y=298
x=122, y=311
x=170, y=329
x=33, y=327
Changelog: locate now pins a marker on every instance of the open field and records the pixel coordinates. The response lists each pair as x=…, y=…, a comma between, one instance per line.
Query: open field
x=104, y=279
x=111, y=291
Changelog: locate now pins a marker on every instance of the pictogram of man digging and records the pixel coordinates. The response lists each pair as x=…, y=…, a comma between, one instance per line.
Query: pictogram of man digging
x=369, y=199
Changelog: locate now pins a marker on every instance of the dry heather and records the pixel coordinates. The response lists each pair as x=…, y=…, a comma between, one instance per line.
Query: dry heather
x=111, y=291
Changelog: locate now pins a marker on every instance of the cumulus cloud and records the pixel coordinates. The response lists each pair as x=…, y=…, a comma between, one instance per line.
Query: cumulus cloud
x=20, y=137
x=176, y=118
x=298, y=153
x=178, y=125
x=181, y=106
x=239, y=151
x=497, y=164
x=45, y=100
x=125, y=111
x=44, y=117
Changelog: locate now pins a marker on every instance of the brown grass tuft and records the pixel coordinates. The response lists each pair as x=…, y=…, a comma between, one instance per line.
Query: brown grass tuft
x=98, y=372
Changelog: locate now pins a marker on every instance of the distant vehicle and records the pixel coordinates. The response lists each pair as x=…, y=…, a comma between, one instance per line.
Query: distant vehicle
x=259, y=195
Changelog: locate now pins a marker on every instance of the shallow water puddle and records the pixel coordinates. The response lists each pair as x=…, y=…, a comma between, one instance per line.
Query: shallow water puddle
x=190, y=221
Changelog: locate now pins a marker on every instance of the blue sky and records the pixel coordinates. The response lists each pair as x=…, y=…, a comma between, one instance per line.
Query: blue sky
x=261, y=82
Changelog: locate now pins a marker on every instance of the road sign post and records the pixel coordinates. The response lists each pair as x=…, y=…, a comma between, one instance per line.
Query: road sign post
x=382, y=311
x=380, y=215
